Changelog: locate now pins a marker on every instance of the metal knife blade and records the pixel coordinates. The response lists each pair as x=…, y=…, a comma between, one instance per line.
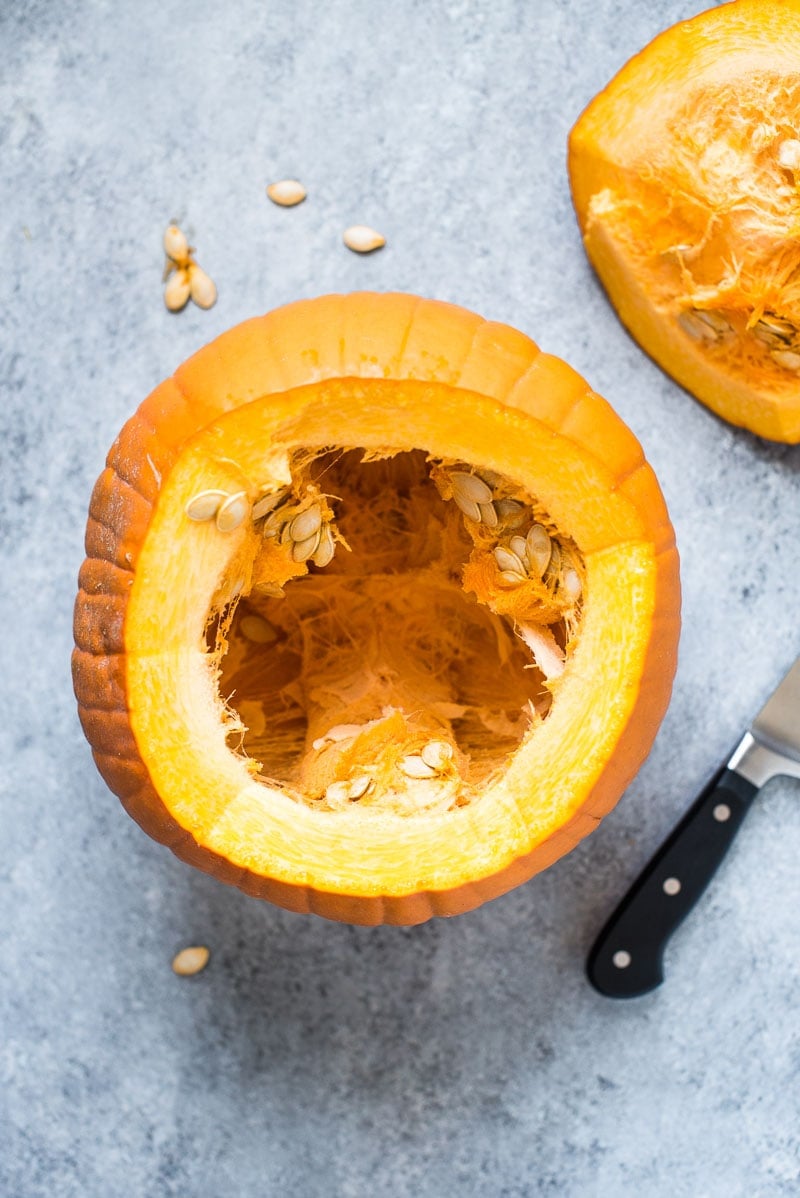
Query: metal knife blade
x=626, y=959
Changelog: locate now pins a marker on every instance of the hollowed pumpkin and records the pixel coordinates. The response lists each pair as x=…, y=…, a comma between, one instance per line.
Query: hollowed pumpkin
x=379, y=612
x=685, y=175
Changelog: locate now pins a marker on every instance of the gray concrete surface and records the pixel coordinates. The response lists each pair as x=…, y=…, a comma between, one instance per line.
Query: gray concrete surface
x=466, y=1057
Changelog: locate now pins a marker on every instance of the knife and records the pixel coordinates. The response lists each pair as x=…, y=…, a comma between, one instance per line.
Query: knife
x=626, y=959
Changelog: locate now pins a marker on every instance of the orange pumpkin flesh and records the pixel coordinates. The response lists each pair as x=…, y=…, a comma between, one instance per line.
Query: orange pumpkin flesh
x=689, y=208
x=231, y=694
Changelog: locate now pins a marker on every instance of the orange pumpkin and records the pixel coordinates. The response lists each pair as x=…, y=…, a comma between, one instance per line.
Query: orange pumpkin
x=685, y=176
x=379, y=612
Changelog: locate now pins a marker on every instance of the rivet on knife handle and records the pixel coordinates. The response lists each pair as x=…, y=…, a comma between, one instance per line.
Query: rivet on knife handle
x=626, y=960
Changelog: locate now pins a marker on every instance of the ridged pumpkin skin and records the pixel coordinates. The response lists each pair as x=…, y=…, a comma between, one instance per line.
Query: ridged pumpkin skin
x=344, y=370
x=689, y=211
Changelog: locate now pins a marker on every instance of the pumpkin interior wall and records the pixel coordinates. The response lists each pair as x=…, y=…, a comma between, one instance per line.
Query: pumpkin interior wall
x=384, y=635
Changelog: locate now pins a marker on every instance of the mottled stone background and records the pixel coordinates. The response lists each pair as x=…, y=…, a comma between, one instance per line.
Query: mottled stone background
x=466, y=1057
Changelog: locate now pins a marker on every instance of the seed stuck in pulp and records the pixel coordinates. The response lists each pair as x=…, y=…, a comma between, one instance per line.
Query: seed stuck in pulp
x=233, y=511
x=205, y=505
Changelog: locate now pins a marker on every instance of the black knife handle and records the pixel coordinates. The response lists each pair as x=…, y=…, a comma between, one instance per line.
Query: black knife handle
x=626, y=959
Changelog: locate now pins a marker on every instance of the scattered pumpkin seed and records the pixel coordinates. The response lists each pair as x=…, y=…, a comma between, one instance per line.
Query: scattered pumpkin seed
x=205, y=505
x=190, y=960
x=362, y=239
x=437, y=754
x=413, y=766
x=233, y=511
x=287, y=193
x=177, y=290
x=202, y=288
x=258, y=630
x=176, y=246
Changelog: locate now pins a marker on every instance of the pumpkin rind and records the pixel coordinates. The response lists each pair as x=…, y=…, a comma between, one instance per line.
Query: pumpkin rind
x=370, y=337
x=644, y=181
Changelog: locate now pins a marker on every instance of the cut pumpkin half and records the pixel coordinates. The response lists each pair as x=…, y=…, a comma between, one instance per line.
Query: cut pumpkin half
x=380, y=609
x=685, y=176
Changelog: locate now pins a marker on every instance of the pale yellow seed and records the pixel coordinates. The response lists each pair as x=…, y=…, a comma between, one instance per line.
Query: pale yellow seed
x=512, y=578
x=362, y=239
x=177, y=291
x=519, y=546
x=488, y=514
x=786, y=358
x=258, y=630
x=789, y=154
x=203, y=290
x=572, y=583
x=698, y=330
x=554, y=565
x=268, y=502
x=507, y=560
x=469, y=486
x=437, y=754
x=326, y=548
x=413, y=766
x=273, y=524
x=233, y=511
x=358, y=787
x=176, y=246
x=337, y=733
x=287, y=193
x=303, y=550
x=205, y=504
x=783, y=329
x=539, y=548
x=714, y=320
x=471, y=510
x=190, y=960
x=306, y=524
x=338, y=792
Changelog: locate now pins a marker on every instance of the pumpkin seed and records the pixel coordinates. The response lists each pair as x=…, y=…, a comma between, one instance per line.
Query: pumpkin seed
x=201, y=287
x=789, y=154
x=190, y=960
x=507, y=560
x=510, y=512
x=770, y=327
x=338, y=733
x=488, y=514
x=233, y=511
x=539, y=548
x=177, y=291
x=176, y=246
x=572, y=583
x=286, y=533
x=698, y=330
x=519, y=546
x=306, y=524
x=554, y=565
x=786, y=358
x=303, y=550
x=362, y=239
x=268, y=502
x=714, y=320
x=337, y=792
x=286, y=192
x=469, y=486
x=274, y=522
x=512, y=578
x=359, y=787
x=437, y=754
x=471, y=510
x=205, y=504
x=326, y=548
x=258, y=630
x=413, y=766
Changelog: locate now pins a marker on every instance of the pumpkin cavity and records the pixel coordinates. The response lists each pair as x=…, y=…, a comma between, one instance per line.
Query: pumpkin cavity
x=398, y=630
